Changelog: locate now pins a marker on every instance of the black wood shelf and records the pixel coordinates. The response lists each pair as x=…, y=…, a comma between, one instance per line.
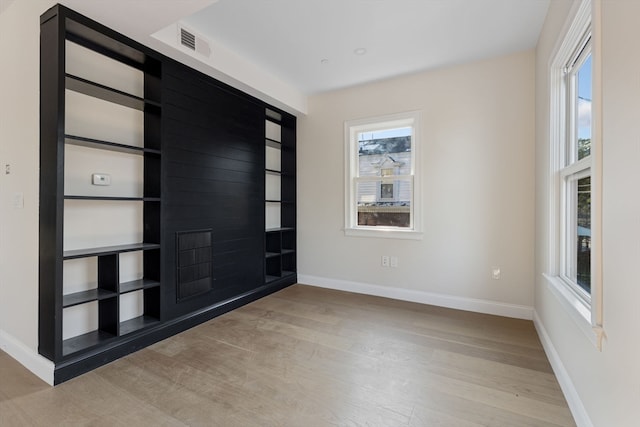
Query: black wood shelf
x=96, y=90
x=288, y=251
x=136, y=285
x=85, y=341
x=109, y=250
x=269, y=278
x=279, y=201
x=275, y=230
x=81, y=141
x=273, y=143
x=273, y=172
x=136, y=324
x=84, y=297
x=113, y=198
x=271, y=254
x=272, y=278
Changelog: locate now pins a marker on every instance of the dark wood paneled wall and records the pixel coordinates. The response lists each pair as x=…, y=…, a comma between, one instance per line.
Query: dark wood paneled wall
x=213, y=178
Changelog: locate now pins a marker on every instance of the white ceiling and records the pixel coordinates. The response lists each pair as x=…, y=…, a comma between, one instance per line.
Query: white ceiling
x=291, y=38
x=273, y=49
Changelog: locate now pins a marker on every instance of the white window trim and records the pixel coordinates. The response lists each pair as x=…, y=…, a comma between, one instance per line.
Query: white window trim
x=351, y=129
x=587, y=316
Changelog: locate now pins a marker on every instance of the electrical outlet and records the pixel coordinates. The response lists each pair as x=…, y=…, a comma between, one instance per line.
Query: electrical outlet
x=495, y=272
x=385, y=260
x=394, y=261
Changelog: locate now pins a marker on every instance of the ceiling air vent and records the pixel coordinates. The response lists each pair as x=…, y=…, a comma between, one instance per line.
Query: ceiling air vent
x=194, y=42
x=187, y=39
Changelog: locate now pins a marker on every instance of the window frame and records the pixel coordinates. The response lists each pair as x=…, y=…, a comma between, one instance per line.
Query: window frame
x=585, y=310
x=351, y=130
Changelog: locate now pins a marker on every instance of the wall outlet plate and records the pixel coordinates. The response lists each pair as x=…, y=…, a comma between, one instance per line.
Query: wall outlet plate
x=101, y=179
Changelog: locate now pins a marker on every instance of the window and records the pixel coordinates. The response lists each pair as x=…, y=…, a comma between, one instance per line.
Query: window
x=575, y=173
x=381, y=176
x=574, y=268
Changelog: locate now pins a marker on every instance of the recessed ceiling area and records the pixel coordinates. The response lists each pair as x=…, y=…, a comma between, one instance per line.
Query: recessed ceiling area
x=320, y=45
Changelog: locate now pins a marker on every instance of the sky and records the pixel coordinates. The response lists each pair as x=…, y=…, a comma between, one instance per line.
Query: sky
x=584, y=100
x=386, y=133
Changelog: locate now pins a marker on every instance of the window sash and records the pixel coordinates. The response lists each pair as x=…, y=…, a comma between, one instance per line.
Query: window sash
x=568, y=227
x=352, y=130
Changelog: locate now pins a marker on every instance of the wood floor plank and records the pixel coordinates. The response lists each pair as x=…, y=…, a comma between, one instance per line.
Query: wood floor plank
x=312, y=357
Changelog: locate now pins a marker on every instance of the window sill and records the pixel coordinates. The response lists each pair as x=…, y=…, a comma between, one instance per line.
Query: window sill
x=579, y=312
x=384, y=233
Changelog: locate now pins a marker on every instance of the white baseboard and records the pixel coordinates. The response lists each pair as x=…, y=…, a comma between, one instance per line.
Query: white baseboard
x=37, y=364
x=441, y=300
x=568, y=389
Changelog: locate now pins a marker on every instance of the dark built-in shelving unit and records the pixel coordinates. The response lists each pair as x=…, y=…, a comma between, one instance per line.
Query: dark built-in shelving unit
x=212, y=157
x=59, y=26
x=280, y=233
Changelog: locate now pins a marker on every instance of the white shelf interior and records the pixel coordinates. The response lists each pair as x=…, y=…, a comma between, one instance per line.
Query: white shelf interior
x=90, y=65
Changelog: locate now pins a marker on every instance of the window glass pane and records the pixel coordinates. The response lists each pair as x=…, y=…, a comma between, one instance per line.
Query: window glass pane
x=583, y=110
x=583, y=248
x=384, y=203
x=384, y=152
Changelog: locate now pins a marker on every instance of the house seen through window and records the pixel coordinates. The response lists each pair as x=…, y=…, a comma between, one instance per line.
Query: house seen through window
x=381, y=171
x=385, y=156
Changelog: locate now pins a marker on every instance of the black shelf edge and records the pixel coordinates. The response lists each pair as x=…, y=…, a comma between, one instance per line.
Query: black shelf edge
x=84, y=297
x=109, y=250
x=273, y=172
x=288, y=273
x=85, y=341
x=273, y=143
x=279, y=201
x=274, y=230
x=288, y=251
x=137, y=323
x=136, y=285
x=81, y=141
x=113, y=198
x=271, y=254
x=96, y=90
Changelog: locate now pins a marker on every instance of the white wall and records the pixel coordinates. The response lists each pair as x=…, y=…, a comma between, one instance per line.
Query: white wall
x=477, y=162
x=603, y=388
x=19, y=142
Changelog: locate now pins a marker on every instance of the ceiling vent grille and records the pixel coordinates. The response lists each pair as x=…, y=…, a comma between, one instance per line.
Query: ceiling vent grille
x=194, y=42
x=187, y=39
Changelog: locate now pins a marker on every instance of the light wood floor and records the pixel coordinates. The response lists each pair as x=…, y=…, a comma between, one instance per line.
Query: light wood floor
x=311, y=357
